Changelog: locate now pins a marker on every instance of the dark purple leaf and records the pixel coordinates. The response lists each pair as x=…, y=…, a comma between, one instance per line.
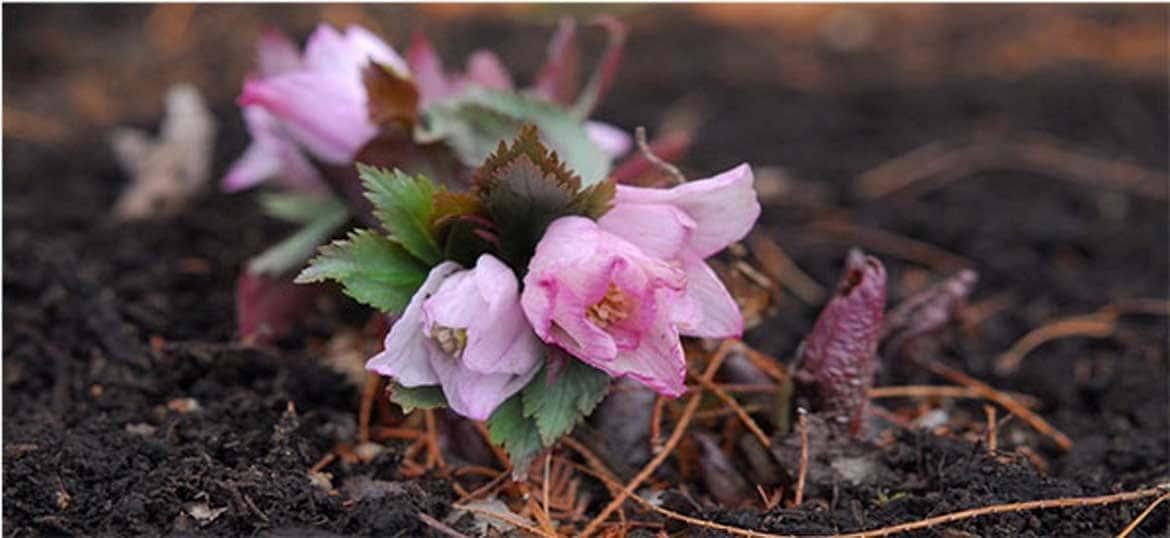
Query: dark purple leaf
x=926, y=312
x=558, y=80
x=268, y=308
x=839, y=357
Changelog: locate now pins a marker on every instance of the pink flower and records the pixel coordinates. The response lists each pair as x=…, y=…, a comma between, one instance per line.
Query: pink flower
x=272, y=154
x=322, y=102
x=609, y=303
x=686, y=224
x=464, y=330
x=483, y=68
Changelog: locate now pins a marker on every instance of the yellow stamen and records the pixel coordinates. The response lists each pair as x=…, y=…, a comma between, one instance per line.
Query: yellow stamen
x=451, y=341
x=610, y=309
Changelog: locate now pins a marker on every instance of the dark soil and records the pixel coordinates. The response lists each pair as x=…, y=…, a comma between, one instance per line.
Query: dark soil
x=107, y=326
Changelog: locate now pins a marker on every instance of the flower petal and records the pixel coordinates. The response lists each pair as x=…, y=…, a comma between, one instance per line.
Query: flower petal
x=407, y=354
x=724, y=207
x=253, y=167
x=322, y=112
x=661, y=230
x=658, y=362
x=276, y=54
x=473, y=394
x=612, y=140
x=486, y=69
x=426, y=68
x=718, y=314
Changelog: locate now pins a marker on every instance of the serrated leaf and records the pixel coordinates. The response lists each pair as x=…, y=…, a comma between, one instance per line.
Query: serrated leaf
x=411, y=398
x=525, y=187
x=404, y=205
x=299, y=207
x=450, y=205
x=371, y=268
x=558, y=405
x=475, y=121
x=526, y=144
x=516, y=433
x=292, y=252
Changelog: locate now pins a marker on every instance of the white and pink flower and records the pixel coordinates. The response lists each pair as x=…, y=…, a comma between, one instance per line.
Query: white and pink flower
x=464, y=331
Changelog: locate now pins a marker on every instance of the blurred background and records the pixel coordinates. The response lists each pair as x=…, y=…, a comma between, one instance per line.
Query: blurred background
x=1026, y=141
x=69, y=69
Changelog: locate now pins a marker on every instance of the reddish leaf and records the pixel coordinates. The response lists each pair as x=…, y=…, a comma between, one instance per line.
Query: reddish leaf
x=392, y=98
x=559, y=78
x=268, y=308
x=839, y=357
x=606, y=69
x=926, y=312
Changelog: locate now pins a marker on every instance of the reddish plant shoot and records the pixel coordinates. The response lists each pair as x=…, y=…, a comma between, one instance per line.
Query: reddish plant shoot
x=926, y=312
x=839, y=357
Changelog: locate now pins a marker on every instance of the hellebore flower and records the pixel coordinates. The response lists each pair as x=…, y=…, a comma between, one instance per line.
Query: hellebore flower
x=426, y=67
x=322, y=103
x=464, y=330
x=609, y=303
x=272, y=154
x=686, y=224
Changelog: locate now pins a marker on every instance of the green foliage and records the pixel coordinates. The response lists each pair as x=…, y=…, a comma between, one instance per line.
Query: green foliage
x=524, y=187
x=515, y=432
x=321, y=217
x=411, y=398
x=298, y=207
x=404, y=205
x=558, y=405
x=372, y=269
x=474, y=122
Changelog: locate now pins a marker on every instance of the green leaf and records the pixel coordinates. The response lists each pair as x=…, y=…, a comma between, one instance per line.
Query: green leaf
x=516, y=433
x=559, y=405
x=475, y=121
x=322, y=218
x=524, y=187
x=411, y=398
x=372, y=269
x=299, y=207
x=403, y=204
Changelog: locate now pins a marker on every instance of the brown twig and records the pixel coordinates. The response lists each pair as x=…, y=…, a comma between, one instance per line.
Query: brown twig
x=766, y=363
x=507, y=518
x=803, y=420
x=1100, y=324
x=373, y=383
x=656, y=425
x=485, y=488
x=744, y=417
x=778, y=265
x=1133, y=525
x=1010, y=507
x=499, y=452
x=439, y=526
x=669, y=169
x=434, y=454
x=1002, y=399
x=322, y=463
x=892, y=244
x=950, y=161
x=929, y=522
x=992, y=429
x=943, y=391
x=675, y=436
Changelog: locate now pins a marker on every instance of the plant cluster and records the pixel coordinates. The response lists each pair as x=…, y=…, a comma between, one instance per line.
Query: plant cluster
x=520, y=275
